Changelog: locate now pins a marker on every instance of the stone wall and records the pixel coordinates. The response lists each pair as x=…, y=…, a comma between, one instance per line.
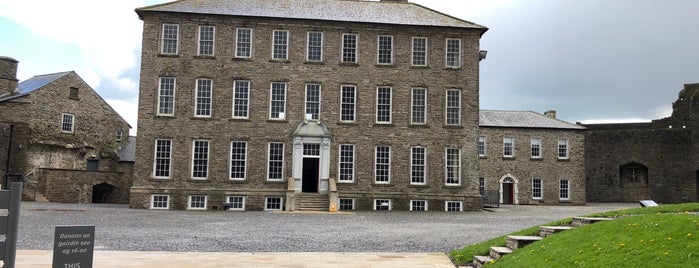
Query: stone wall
x=76, y=186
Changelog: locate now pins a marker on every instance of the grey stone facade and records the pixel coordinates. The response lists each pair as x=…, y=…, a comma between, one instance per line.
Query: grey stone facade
x=656, y=160
x=34, y=140
x=512, y=177
x=257, y=130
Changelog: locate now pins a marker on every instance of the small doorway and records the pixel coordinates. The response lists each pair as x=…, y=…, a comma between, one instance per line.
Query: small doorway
x=508, y=190
x=309, y=179
x=102, y=192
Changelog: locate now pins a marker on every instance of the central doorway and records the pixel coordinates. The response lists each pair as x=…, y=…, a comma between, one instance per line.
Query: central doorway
x=309, y=178
x=508, y=189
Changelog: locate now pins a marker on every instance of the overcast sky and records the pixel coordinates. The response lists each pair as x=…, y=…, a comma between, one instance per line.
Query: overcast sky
x=587, y=59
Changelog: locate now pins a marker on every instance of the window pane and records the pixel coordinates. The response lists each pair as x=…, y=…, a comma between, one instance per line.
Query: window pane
x=243, y=43
x=562, y=148
x=200, y=159
x=419, y=51
x=315, y=46
x=382, y=164
x=536, y=148
x=313, y=101
x=453, y=166
x=206, y=40
x=278, y=101
x=238, y=160
x=419, y=106
x=162, y=158
x=67, y=123
x=349, y=48
x=453, y=53
x=241, y=98
x=170, y=35
x=276, y=161
x=281, y=42
x=203, y=101
x=385, y=49
x=418, y=165
x=346, y=163
x=481, y=146
x=453, y=107
x=508, y=147
x=166, y=96
x=383, y=105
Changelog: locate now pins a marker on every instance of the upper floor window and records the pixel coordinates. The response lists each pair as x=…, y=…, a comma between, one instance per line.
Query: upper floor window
x=315, y=46
x=349, y=48
x=481, y=185
x=418, y=165
x=243, y=43
x=74, y=93
x=564, y=190
x=385, y=47
x=313, y=101
x=382, y=164
x=419, y=106
x=452, y=166
x=383, y=105
x=453, y=107
x=346, y=163
x=481, y=145
x=419, y=51
x=280, y=46
x=536, y=189
x=166, y=96
x=348, y=101
x=275, y=166
x=206, y=40
x=200, y=159
x=277, y=100
x=536, y=148
x=170, y=36
x=562, y=148
x=241, y=98
x=203, y=98
x=67, y=123
x=238, y=160
x=161, y=165
x=508, y=147
x=453, y=55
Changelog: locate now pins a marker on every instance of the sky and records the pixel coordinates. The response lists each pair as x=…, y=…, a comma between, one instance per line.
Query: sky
x=590, y=60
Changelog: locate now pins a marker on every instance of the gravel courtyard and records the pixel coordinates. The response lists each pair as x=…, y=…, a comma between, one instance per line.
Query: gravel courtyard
x=119, y=228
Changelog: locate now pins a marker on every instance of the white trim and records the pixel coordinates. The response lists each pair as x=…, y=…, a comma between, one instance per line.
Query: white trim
x=390, y=203
x=354, y=104
x=446, y=107
x=286, y=47
x=446, y=53
x=213, y=42
x=531, y=148
x=560, y=182
x=189, y=202
x=320, y=100
x=390, y=105
x=269, y=146
x=322, y=44
x=208, y=159
x=424, y=166
x=446, y=205
x=162, y=39
x=72, y=122
x=174, y=93
x=485, y=145
x=378, y=49
x=236, y=42
x=155, y=159
x=412, y=106
x=228, y=200
x=512, y=152
x=152, y=200
x=339, y=162
x=390, y=154
x=515, y=186
x=356, y=48
x=281, y=203
x=446, y=166
x=247, y=108
x=425, y=204
x=558, y=148
x=211, y=98
x=245, y=165
x=541, y=189
x=282, y=115
x=412, y=54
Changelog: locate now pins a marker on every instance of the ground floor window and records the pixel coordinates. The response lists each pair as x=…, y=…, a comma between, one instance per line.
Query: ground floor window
x=197, y=202
x=159, y=201
x=481, y=185
x=453, y=206
x=565, y=190
x=346, y=203
x=382, y=204
x=536, y=188
x=236, y=203
x=273, y=203
x=418, y=205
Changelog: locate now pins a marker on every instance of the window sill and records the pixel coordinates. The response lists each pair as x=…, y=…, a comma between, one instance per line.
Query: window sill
x=453, y=126
x=347, y=123
x=242, y=59
x=384, y=125
x=280, y=121
x=452, y=185
x=199, y=179
x=418, y=126
x=239, y=119
x=314, y=62
x=563, y=159
x=201, y=118
x=374, y=184
x=279, y=61
x=236, y=181
x=268, y=181
x=160, y=179
x=420, y=67
x=536, y=159
x=205, y=57
x=384, y=65
x=508, y=158
x=418, y=186
x=452, y=68
x=161, y=55
x=165, y=116
x=349, y=64
x=482, y=157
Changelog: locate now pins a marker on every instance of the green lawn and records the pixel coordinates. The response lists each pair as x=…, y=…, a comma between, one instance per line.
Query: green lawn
x=664, y=236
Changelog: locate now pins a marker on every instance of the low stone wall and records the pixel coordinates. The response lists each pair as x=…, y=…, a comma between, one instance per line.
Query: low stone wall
x=76, y=186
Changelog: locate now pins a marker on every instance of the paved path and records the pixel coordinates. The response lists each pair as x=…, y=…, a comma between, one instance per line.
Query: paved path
x=144, y=259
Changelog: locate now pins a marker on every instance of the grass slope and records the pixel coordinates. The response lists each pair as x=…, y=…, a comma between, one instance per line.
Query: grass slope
x=664, y=236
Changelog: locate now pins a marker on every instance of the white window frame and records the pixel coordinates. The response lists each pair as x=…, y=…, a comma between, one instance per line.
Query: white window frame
x=349, y=52
x=270, y=161
x=309, y=47
x=482, y=146
x=167, y=201
x=387, y=202
x=452, y=55
x=383, y=162
x=382, y=107
x=241, y=99
x=449, y=163
x=67, y=123
x=313, y=102
x=343, y=165
x=511, y=147
x=239, y=45
x=346, y=105
x=277, y=45
x=537, y=189
x=163, y=157
x=267, y=203
x=482, y=185
x=452, y=108
x=563, y=149
x=190, y=200
x=280, y=115
x=535, y=146
x=448, y=203
x=422, y=53
x=196, y=157
x=163, y=39
x=120, y=135
x=203, y=43
x=424, y=204
x=203, y=99
x=418, y=166
x=564, y=189
x=166, y=102
x=230, y=200
x=238, y=159
x=340, y=203
x=381, y=52
x=418, y=109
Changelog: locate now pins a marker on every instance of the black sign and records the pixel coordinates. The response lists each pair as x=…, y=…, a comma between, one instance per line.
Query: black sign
x=73, y=246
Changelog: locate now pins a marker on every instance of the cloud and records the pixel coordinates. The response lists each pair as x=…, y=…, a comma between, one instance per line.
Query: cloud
x=128, y=109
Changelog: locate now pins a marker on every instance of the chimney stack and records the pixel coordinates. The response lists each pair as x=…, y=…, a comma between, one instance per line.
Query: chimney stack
x=550, y=114
x=8, y=75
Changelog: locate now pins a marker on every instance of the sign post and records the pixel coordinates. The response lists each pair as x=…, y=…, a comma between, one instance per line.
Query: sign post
x=73, y=246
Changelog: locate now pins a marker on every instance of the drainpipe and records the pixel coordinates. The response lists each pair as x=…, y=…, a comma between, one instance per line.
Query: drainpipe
x=9, y=156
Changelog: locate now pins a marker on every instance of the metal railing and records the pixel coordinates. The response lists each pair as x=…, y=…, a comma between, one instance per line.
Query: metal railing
x=491, y=199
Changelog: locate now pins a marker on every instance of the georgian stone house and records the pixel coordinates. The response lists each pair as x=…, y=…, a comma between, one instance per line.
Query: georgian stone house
x=61, y=138
x=530, y=158
x=262, y=104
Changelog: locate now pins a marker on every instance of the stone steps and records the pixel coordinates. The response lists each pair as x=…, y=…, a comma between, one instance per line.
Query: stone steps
x=580, y=221
x=312, y=202
x=546, y=231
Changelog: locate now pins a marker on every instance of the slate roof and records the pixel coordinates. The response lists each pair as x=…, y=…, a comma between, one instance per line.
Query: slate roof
x=403, y=13
x=522, y=119
x=27, y=86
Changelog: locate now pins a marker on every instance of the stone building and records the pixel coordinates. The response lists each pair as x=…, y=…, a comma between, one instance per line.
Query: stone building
x=637, y=161
x=530, y=158
x=299, y=104
x=61, y=138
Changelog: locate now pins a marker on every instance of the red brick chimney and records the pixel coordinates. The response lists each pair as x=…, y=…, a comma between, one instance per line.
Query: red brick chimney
x=8, y=75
